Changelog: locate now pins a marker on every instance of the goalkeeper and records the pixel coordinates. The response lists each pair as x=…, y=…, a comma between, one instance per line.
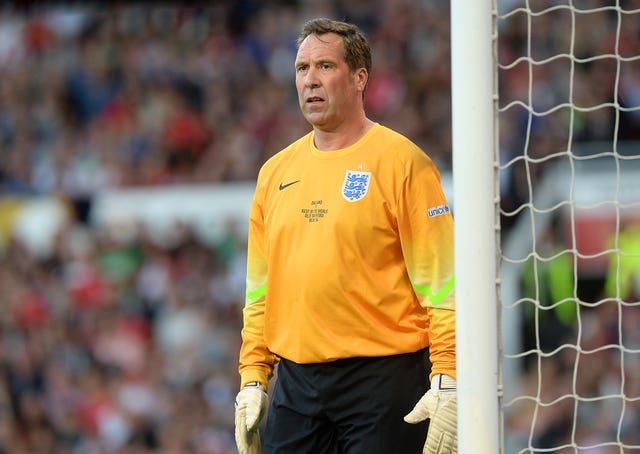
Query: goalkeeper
x=349, y=278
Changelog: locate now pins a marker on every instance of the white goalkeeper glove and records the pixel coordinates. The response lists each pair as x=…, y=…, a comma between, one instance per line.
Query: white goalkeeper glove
x=251, y=406
x=439, y=404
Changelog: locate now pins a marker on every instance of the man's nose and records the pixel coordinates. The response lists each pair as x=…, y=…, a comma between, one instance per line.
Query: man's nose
x=311, y=78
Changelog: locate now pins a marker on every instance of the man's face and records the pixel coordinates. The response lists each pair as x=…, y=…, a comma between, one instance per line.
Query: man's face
x=328, y=92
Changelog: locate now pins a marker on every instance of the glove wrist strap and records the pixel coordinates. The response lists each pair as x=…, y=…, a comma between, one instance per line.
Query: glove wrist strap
x=442, y=382
x=254, y=384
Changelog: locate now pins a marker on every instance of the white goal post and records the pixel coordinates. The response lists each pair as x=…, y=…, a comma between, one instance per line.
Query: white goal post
x=474, y=181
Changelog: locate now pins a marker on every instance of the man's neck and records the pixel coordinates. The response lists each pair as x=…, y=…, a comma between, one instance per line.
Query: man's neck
x=342, y=138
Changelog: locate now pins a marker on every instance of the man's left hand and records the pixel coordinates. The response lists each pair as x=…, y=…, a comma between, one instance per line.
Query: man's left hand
x=439, y=404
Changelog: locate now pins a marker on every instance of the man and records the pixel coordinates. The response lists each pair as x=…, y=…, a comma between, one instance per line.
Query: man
x=349, y=278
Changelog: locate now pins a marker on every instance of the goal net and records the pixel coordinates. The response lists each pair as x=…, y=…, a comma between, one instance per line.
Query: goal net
x=568, y=164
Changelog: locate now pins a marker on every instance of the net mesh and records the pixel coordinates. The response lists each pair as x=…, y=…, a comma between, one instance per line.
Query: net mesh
x=569, y=167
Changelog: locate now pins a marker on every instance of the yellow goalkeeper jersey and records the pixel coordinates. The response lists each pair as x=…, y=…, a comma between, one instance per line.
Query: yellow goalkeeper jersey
x=350, y=254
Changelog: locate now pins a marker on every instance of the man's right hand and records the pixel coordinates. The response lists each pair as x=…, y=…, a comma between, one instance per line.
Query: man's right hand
x=251, y=406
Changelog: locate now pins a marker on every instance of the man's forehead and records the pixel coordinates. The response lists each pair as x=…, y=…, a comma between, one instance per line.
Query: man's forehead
x=315, y=45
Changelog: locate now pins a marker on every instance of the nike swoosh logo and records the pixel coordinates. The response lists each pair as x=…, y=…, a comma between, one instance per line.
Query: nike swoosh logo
x=282, y=186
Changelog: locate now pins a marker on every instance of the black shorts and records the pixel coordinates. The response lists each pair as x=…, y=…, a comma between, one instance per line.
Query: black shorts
x=348, y=406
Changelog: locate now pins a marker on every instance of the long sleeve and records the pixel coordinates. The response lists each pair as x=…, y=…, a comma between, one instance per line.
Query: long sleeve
x=256, y=362
x=425, y=224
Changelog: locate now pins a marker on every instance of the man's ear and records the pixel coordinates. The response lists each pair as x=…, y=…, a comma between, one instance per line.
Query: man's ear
x=360, y=77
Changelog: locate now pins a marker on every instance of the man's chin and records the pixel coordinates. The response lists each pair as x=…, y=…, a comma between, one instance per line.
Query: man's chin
x=316, y=119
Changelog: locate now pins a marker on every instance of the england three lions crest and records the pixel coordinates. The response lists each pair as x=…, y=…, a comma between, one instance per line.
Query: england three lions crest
x=356, y=185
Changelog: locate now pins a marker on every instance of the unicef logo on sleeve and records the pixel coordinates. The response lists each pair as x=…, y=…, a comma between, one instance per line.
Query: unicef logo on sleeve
x=438, y=211
x=356, y=185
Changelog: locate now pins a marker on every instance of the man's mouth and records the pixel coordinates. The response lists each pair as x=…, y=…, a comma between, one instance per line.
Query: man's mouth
x=314, y=99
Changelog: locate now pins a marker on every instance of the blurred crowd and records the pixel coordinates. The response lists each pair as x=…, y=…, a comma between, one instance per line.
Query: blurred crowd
x=581, y=349
x=92, y=99
x=569, y=86
x=120, y=346
x=585, y=398
x=110, y=346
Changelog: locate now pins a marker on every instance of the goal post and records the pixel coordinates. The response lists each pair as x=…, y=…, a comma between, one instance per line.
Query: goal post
x=476, y=224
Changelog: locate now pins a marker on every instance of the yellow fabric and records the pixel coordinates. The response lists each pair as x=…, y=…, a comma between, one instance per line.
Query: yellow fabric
x=330, y=278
